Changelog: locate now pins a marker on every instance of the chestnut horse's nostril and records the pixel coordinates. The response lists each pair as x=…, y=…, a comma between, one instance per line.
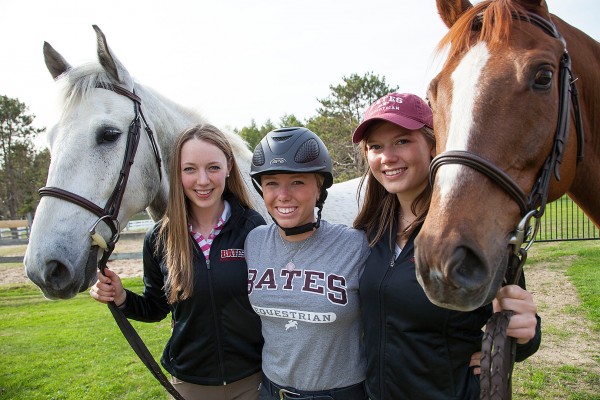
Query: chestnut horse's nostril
x=466, y=270
x=58, y=276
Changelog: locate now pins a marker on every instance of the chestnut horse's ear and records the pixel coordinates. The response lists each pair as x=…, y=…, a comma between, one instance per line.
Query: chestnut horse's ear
x=533, y=4
x=451, y=10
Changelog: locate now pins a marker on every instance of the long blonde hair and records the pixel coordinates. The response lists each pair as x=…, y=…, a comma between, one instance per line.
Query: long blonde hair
x=380, y=209
x=174, y=240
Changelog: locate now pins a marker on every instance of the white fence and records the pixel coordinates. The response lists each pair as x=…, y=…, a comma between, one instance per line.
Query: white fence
x=139, y=225
x=17, y=231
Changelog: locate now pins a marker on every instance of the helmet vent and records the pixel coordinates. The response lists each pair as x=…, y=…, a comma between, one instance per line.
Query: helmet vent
x=280, y=138
x=258, y=158
x=308, y=152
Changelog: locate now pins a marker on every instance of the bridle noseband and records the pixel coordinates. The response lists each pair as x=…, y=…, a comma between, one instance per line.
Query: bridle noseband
x=109, y=214
x=532, y=206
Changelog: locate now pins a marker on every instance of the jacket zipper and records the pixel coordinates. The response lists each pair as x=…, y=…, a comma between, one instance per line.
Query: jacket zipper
x=214, y=308
x=382, y=328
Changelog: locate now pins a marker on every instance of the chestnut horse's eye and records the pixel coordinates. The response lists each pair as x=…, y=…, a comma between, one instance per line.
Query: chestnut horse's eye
x=543, y=79
x=108, y=135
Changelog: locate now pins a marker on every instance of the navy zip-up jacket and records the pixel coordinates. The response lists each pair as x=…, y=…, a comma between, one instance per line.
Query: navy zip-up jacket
x=216, y=337
x=415, y=349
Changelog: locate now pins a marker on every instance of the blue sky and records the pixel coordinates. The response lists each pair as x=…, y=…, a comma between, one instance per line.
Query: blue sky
x=235, y=60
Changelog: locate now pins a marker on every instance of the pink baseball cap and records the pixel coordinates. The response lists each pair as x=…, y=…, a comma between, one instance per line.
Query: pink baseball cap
x=404, y=109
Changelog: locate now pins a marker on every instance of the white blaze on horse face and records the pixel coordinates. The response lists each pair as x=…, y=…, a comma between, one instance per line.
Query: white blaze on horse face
x=464, y=97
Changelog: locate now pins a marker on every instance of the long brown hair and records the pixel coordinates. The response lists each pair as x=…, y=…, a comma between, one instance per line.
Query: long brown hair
x=173, y=235
x=380, y=209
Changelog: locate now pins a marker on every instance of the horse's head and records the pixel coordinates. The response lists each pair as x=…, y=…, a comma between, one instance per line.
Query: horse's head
x=88, y=147
x=495, y=103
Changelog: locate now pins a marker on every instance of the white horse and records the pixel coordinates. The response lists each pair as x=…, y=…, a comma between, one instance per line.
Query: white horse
x=87, y=148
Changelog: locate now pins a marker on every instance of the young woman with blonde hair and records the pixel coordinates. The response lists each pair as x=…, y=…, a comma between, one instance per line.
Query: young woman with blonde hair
x=195, y=269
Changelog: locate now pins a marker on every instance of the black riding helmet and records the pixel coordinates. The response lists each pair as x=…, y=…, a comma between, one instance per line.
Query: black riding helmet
x=293, y=150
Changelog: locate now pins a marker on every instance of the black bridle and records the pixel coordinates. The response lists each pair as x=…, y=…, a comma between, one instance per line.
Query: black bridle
x=532, y=206
x=109, y=214
x=498, y=350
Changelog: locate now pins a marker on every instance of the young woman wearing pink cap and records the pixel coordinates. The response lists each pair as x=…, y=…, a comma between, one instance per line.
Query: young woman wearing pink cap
x=415, y=350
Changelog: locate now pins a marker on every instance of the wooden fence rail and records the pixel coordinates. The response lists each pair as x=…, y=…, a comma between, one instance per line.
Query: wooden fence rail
x=16, y=229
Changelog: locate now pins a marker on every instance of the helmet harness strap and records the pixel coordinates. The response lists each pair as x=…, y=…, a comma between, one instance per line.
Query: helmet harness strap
x=298, y=230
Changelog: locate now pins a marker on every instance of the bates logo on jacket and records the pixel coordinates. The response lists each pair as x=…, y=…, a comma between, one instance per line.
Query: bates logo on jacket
x=232, y=254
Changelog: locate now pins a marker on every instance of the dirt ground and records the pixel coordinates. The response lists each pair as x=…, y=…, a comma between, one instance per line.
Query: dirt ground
x=567, y=335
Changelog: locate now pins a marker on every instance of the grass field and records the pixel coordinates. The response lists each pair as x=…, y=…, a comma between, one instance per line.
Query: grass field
x=74, y=350
x=71, y=349
x=567, y=366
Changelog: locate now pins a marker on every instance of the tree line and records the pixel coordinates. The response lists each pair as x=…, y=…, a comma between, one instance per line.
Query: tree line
x=339, y=113
x=24, y=169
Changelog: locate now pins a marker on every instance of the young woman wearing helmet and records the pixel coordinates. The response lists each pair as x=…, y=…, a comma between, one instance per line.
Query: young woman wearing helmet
x=303, y=275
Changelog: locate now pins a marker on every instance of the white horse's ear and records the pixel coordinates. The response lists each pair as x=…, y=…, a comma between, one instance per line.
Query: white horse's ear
x=109, y=62
x=55, y=63
x=451, y=10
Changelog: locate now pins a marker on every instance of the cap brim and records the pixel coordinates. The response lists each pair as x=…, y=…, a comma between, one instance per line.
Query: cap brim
x=400, y=120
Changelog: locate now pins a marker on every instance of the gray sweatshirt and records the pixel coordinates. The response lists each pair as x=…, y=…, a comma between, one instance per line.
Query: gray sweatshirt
x=309, y=308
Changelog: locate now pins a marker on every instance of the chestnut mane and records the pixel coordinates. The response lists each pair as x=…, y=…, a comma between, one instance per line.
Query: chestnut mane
x=492, y=19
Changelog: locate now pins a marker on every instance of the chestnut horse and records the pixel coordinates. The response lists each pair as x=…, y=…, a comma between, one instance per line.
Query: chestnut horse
x=501, y=150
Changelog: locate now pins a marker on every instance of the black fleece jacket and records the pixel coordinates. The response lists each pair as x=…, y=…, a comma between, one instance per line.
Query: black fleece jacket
x=216, y=336
x=415, y=349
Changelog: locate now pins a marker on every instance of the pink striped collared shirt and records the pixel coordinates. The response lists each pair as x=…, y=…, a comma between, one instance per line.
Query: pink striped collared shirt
x=205, y=243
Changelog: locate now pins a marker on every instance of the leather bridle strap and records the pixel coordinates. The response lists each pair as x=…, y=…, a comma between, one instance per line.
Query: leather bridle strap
x=137, y=344
x=76, y=199
x=111, y=209
x=485, y=167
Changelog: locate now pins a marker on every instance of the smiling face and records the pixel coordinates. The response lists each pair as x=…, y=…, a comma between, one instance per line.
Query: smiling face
x=291, y=198
x=204, y=168
x=399, y=159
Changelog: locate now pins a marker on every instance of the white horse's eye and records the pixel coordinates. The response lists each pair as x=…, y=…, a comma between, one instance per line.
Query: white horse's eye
x=108, y=135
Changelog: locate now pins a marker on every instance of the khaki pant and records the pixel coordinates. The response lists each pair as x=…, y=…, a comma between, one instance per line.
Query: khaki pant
x=244, y=389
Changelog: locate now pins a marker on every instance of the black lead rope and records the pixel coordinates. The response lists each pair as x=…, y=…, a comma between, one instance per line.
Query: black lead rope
x=498, y=350
x=138, y=345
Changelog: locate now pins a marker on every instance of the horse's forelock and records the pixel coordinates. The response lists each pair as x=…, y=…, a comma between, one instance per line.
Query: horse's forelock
x=79, y=82
x=495, y=17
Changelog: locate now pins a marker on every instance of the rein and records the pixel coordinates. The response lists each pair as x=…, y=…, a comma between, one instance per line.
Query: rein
x=498, y=350
x=109, y=215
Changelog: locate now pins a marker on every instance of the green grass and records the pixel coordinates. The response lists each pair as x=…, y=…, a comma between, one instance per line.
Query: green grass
x=585, y=275
x=71, y=349
x=583, y=261
x=580, y=263
x=74, y=350
x=563, y=382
